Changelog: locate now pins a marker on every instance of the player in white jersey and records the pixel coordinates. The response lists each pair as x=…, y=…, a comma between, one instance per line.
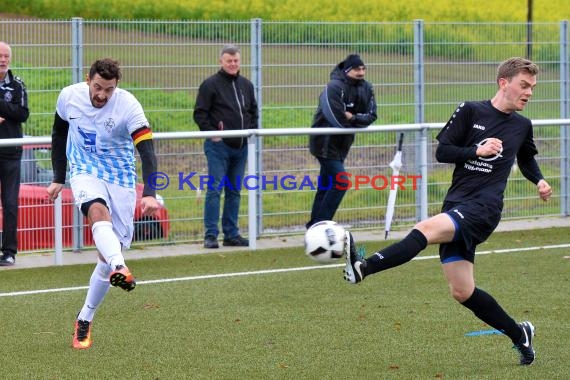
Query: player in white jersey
x=96, y=128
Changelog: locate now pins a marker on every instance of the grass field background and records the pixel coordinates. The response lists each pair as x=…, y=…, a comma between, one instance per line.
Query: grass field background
x=281, y=317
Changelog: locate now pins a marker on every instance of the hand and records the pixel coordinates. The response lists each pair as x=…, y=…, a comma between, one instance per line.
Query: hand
x=149, y=205
x=53, y=190
x=2, y=120
x=348, y=115
x=490, y=147
x=544, y=190
x=220, y=128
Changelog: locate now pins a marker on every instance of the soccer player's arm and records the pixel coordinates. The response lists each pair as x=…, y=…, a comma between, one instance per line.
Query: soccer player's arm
x=526, y=161
x=451, y=148
x=530, y=169
x=453, y=154
x=59, y=133
x=142, y=139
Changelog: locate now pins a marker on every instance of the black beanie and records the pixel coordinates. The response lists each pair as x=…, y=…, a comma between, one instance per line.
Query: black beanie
x=352, y=61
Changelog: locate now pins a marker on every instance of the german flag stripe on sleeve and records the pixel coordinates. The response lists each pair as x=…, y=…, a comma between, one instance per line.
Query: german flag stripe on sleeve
x=141, y=134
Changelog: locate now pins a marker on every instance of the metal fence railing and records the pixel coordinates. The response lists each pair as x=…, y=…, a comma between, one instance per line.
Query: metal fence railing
x=420, y=72
x=285, y=187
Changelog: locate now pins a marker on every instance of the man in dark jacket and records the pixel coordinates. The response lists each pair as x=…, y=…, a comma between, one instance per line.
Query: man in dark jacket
x=347, y=102
x=225, y=101
x=13, y=112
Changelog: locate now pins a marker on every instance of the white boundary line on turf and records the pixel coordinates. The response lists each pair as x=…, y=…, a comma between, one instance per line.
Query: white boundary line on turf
x=269, y=271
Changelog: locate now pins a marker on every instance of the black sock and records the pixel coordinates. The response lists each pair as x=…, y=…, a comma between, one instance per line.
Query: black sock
x=396, y=254
x=484, y=306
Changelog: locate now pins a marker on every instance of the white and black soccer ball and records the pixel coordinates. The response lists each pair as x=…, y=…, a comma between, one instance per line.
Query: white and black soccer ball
x=324, y=242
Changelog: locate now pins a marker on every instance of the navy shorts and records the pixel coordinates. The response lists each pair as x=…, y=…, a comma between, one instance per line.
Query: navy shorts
x=474, y=222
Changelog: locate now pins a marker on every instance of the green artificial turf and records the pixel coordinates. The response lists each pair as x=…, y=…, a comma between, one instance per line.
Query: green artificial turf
x=189, y=318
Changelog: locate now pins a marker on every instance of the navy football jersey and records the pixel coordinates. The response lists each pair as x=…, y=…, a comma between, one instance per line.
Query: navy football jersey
x=485, y=178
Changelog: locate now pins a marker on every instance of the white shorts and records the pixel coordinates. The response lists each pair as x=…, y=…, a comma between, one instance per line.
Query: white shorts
x=120, y=201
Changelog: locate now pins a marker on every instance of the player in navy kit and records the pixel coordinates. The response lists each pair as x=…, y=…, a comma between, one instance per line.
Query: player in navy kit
x=482, y=139
x=96, y=128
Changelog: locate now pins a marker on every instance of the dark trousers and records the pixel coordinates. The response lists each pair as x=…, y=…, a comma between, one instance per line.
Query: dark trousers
x=329, y=191
x=10, y=189
x=226, y=166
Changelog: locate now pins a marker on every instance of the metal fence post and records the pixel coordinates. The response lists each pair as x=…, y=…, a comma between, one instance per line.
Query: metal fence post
x=256, y=78
x=423, y=158
x=58, y=231
x=77, y=49
x=564, y=114
x=421, y=136
x=77, y=76
x=252, y=192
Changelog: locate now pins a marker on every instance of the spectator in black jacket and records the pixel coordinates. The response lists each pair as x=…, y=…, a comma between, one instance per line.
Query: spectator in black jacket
x=13, y=112
x=225, y=101
x=347, y=102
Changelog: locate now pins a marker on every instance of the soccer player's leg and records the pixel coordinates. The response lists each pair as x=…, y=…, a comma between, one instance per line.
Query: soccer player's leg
x=82, y=335
x=122, y=207
x=352, y=271
x=524, y=345
x=123, y=278
x=93, y=197
x=98, y=288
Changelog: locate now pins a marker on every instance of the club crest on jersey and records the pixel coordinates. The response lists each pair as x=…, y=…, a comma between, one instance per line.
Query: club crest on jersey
x=109, y=125
x=499, y=154
x=81, y=197
x=8, y=96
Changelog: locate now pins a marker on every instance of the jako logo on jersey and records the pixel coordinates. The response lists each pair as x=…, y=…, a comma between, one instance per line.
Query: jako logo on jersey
x=477, y=126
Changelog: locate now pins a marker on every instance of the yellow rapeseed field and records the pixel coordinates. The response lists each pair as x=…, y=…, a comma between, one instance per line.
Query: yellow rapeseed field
x=296, y=10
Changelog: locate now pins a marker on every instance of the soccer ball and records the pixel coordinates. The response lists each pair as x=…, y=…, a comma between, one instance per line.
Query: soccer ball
x=324, y=242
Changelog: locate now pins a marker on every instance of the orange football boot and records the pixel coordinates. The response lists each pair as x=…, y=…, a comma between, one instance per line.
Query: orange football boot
x=123, y=278
x=82, y=335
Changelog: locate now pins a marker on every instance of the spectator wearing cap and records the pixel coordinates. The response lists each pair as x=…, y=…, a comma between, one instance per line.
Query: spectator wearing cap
x=347, y=101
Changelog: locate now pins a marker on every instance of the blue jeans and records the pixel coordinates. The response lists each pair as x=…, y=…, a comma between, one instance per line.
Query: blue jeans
x=328, y=196
x=226, y=167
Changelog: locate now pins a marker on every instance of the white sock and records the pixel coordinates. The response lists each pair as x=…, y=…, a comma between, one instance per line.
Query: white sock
x=98, y=287
x=107, y=243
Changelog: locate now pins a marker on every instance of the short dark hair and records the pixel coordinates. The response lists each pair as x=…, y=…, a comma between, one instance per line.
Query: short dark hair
x=107, y=68
x=229, y=49
x=513, y=66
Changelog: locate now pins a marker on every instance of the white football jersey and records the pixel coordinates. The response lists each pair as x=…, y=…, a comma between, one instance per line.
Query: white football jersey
x=99, y=141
